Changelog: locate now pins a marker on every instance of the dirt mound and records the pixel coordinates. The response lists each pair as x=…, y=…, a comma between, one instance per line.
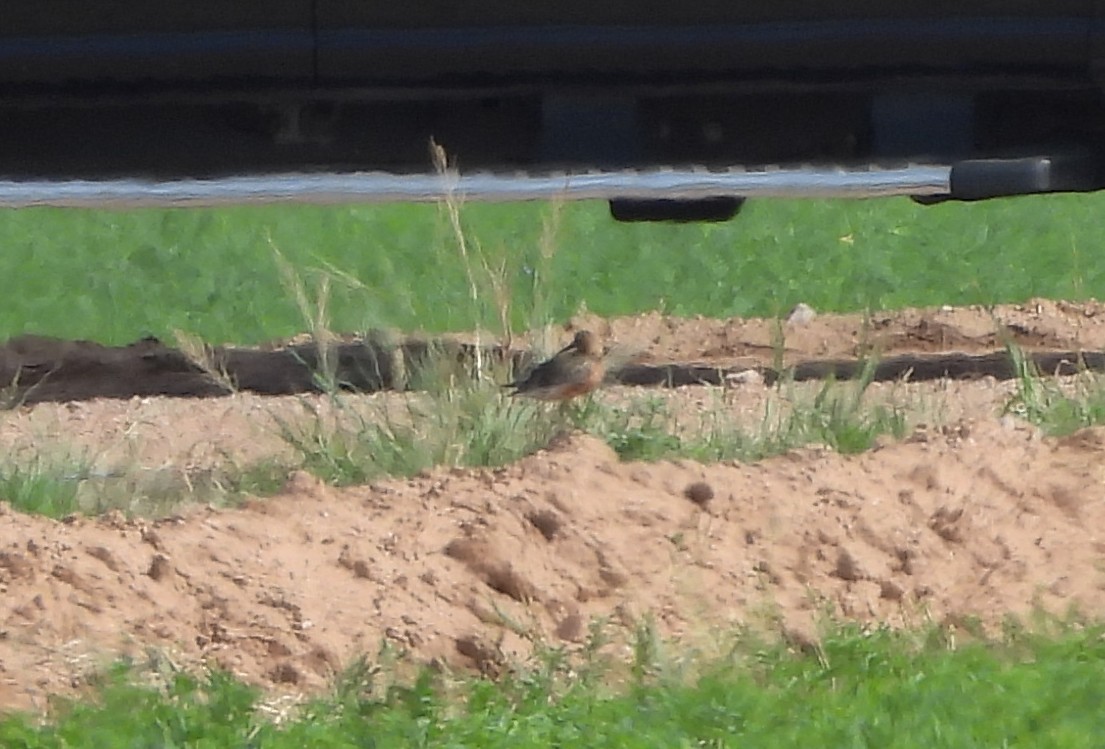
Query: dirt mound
x=650, y=350
x=1036, y=324
x=467, y=567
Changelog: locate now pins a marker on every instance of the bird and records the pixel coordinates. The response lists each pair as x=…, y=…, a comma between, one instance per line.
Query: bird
x=575, y=370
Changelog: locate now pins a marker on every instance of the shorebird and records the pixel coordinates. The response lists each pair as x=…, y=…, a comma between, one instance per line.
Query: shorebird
x=576, y=370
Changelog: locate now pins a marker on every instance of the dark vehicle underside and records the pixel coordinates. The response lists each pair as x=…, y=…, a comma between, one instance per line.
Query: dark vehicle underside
x=668, y=109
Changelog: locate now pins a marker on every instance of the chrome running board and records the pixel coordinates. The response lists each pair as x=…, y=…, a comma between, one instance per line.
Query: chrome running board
x=695, y=183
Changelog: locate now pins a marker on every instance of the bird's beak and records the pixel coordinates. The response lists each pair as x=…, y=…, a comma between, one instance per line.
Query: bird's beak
x=570, y=347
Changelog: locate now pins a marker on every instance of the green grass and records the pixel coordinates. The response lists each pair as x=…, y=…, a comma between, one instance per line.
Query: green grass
x=346, y=440
x=1059, y=409
x=42, y=485
x=55, y=484
x=857, y=688
x=468, y=423
x=836, y=415
x=114, y=276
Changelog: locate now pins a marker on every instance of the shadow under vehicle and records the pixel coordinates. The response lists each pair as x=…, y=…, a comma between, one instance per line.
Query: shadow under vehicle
x=668, y=110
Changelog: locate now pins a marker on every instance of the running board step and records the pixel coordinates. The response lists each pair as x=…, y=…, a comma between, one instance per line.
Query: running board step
x=982, y=179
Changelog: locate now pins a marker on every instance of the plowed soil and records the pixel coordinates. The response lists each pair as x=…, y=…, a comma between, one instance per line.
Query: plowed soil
x=974, y=515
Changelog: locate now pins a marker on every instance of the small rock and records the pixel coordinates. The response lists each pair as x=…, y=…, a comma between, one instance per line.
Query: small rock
x=745, y=377
x=802, y=314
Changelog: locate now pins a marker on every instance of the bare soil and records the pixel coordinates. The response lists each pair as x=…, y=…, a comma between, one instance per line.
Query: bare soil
x=974, y=515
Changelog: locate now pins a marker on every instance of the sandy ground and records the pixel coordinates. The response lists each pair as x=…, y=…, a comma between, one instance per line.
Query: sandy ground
x=973, y=515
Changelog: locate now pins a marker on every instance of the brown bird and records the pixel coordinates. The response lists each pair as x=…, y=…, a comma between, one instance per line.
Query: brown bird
x=576, y=369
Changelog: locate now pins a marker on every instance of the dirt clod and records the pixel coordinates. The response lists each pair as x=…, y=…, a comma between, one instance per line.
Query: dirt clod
x=546, y=522
x=487, y=658
x=846, y=566
x=285, y=673
x=699, y=492
x=159, y=568
x=945, y=523
x=570, y=628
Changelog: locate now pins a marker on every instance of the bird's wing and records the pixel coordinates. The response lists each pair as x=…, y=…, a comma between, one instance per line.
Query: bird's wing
x=543, y=375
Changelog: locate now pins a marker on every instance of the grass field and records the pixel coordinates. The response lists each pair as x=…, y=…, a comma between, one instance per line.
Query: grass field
x=114, y=276
x=875, y=689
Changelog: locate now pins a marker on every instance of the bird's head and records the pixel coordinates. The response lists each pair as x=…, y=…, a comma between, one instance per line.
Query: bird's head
x=586, y=343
